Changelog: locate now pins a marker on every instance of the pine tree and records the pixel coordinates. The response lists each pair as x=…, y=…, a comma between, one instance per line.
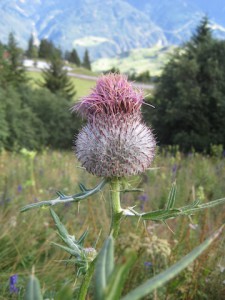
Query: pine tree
x=189, y=98
x=74, y=58
x=47, y=49
x=86, y=60
x=16, y=71
x=32, y=49
x=57, y=80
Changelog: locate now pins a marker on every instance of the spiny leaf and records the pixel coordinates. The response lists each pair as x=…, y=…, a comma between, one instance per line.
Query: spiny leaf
x=172, y=197
x=159, y=215
x=82, y=187
x=162, y=214
x=159, y=280
x=67, y=249
x=65, y=199
x=82, y=238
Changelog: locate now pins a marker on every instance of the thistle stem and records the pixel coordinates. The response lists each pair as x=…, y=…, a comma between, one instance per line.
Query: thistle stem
x=86, y=281
x=115, y=206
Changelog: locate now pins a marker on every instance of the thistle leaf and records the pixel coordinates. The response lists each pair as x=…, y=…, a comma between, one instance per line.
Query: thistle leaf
x=82, y=238
x=67, y=249
x=163, y=214
x=172, y=197
x=66, y=199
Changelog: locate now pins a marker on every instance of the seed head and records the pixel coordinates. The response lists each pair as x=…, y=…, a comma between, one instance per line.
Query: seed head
x=115, y=142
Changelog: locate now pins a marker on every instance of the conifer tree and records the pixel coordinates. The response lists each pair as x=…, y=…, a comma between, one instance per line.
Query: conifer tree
x=32, y=49
x=56, y=78
x=47, y=49
x=86, y=60
x=16, y=71
x=190, y=96
x=74, y=58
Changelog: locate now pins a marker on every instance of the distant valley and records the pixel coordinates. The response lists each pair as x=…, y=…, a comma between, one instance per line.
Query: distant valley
x=115, y=32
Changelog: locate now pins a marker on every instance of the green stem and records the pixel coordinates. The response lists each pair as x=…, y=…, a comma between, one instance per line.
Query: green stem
x=86, y=281
x=114, y=230
x=116, y=208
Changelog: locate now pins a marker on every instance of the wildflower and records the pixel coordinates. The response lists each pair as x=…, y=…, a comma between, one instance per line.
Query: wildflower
x=12, y=284
x=147, y=264
x=143, y=198
x=115, y=141
x=19, y=188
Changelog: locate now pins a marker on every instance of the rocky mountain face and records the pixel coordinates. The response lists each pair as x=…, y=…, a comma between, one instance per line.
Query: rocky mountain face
x=107, y=28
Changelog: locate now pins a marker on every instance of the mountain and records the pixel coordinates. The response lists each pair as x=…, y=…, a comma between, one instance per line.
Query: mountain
x=108, y=28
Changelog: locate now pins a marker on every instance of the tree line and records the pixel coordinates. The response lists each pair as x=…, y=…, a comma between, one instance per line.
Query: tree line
x=189, y=98
x=47, y=49
x=190, y=95
x=34, y=118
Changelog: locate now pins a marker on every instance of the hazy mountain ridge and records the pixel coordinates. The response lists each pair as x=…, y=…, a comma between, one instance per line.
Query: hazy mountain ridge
x=107, y=28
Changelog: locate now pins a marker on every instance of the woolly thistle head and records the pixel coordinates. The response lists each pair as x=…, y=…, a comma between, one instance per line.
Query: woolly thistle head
x=113, y=94
x=115, y=142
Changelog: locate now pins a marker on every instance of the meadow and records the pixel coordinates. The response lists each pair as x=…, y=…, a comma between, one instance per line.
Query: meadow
x=82, y=86
x=25, y=238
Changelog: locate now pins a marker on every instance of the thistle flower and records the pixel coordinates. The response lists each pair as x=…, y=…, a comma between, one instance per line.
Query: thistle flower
x=115, y=142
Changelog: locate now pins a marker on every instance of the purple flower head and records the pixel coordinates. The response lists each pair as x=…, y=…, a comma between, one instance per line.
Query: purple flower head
x=115, y=141
x=12, y=284
x=19, y=188
x=143, y=197
x=112, y=95
x=147, y=264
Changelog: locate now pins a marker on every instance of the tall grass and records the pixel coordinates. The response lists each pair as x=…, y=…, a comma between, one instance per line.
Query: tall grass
x=25, y=239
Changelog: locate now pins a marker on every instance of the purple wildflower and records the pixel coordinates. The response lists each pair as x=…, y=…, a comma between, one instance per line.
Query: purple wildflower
x=115, y=141
x=12, y=284
x=147, y=264
x=112, y=95
x=19, y=188
x=143, y=198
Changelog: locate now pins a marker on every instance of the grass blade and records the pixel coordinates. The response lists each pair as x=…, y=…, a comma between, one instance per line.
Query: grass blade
x=102, y=270
x=117, y=279
x=157, y=281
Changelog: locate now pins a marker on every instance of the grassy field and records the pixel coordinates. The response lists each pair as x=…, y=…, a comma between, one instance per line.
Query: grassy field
x=136, y=61
x=82, y=86
x=25, y=238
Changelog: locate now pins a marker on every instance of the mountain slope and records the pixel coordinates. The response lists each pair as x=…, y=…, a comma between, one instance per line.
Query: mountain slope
x=107, y=28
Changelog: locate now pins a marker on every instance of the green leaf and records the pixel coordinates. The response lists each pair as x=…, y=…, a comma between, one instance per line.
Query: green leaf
x=159, y=280
x=68, y=239
x=82, y=187
x=116, y=281
x=189, y=210
x=66, y=293
x=67, y=249
x=65, y=199
x=109, y=258
x=102, y=270
x=33, y=290
x=160, y=215
x=172, y=197
x=82, y=238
